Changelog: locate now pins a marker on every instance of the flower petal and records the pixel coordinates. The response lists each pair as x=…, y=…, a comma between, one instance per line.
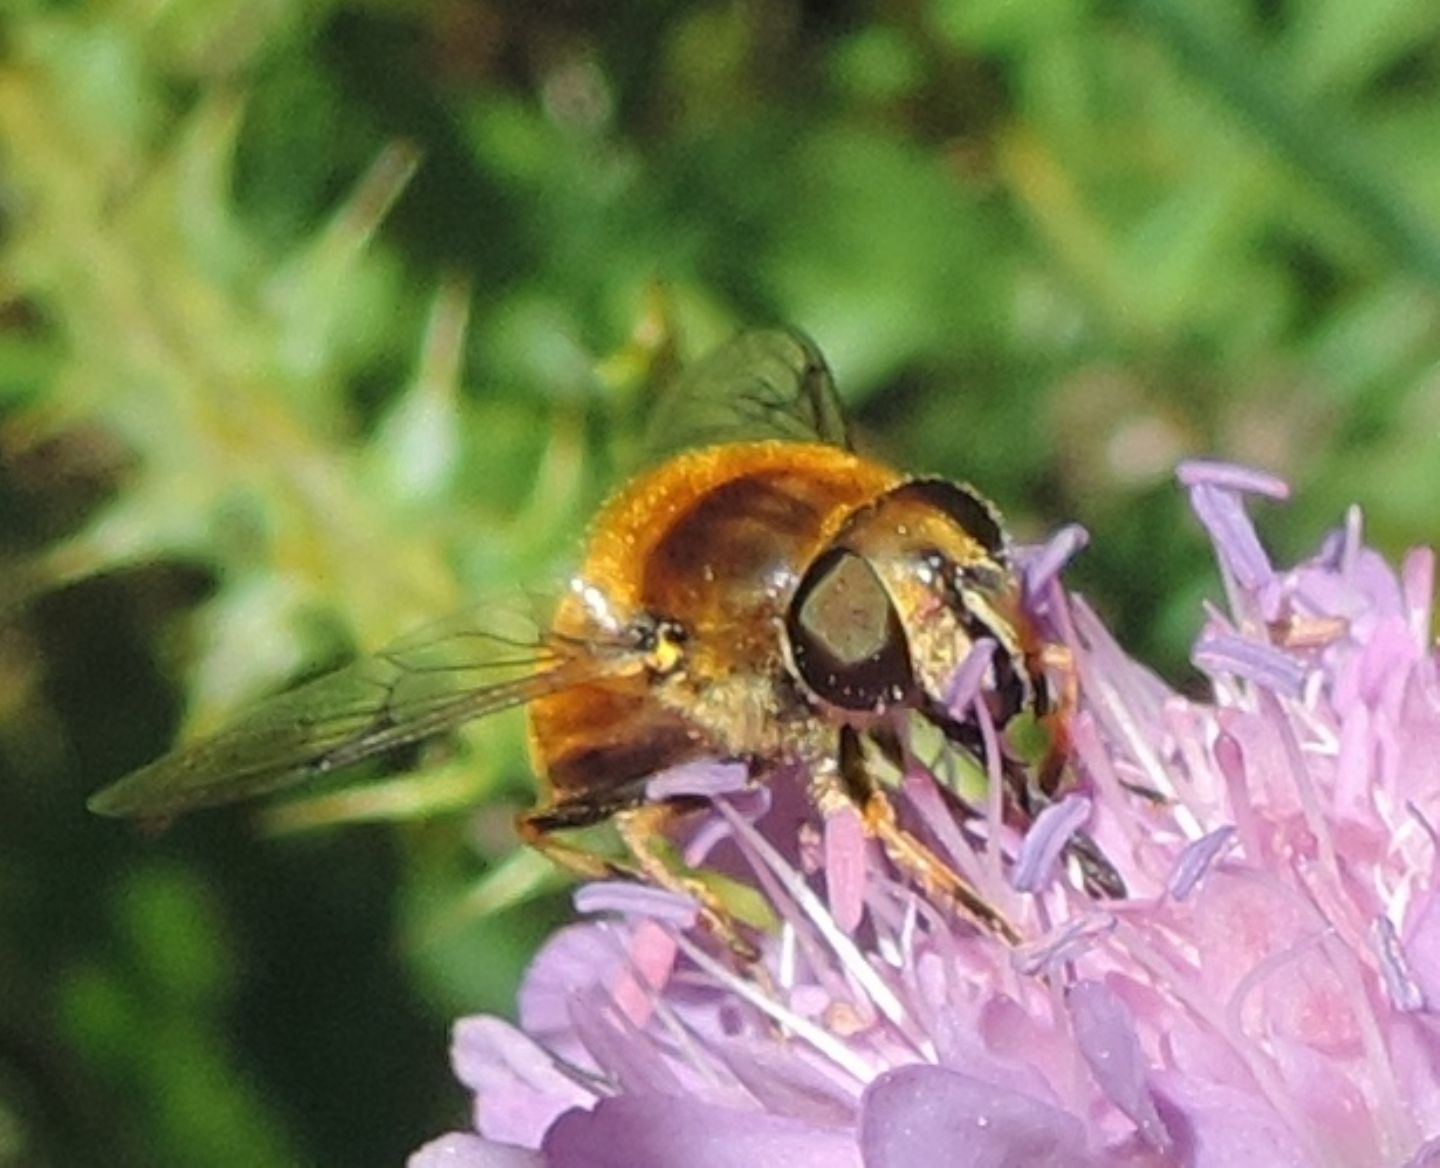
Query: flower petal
x=640, y=900
x=1105, y=1034
x=461, y=1150
x=1197, y=859
x=1231, y=477
x=928, y=1115
x=663, y=1131
x=845, y=866
x=706, y=778
x=1215, y=1125
x=613, y=1041
x=573, y=959
x=1224, y=518
x=1426, y=1156
x=1045, y=840
x=1423, y=948
x=1042, y=565
x=518, y=1088
x=1262, y=665
x=788, y=1085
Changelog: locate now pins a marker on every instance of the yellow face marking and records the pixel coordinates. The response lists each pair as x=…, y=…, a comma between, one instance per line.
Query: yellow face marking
x=666, y=655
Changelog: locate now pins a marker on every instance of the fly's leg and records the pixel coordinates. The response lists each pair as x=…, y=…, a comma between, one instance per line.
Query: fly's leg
x=1044, y=663
x=542, y=836
x=640, y=828
x=1098, y=875
x=851, y=783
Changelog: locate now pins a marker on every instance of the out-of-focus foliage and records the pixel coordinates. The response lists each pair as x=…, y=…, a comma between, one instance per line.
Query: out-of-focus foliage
x=318, y=319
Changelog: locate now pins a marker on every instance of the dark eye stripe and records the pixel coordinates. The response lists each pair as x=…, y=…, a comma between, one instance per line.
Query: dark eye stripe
x=971, y=512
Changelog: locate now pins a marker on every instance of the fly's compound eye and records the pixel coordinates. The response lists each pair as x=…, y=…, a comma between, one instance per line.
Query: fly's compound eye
x=845, y=637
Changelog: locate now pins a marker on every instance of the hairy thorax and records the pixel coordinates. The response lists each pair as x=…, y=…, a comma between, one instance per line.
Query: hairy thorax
x=715, y=541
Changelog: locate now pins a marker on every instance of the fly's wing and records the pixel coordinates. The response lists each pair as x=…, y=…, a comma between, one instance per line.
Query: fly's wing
x=423, y=685
x=768, y=384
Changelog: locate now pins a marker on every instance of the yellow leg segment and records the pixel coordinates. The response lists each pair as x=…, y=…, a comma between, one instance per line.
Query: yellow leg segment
x=640, y=829
x=851, y=783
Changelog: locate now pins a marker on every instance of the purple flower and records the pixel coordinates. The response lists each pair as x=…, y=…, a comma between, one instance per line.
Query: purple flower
x=1268, y=993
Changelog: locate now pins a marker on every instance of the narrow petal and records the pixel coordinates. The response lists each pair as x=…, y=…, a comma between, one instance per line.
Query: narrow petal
x=707, y=779
x=613, y=1041
x=845, y=867
x=1231, y=477
x=1063, y=943
x=650, y=960
x=1043, y=564
x=574, y=958
x=1417, y=583
x=1046, y=839
x=637, y=900
x=1260, y=664
x=1234, y=535
x=1423, y=947
x=1197, y=859
x=1105, y=1034
x=965, y=685
x=788, y=1085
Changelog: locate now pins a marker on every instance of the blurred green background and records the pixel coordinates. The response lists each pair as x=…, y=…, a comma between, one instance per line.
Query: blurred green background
x=318, y=319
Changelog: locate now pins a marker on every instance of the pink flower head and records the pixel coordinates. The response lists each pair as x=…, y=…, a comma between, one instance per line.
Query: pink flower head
x=1266, y=992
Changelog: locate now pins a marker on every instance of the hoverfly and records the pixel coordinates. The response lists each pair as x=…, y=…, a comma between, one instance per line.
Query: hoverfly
x=761, y=593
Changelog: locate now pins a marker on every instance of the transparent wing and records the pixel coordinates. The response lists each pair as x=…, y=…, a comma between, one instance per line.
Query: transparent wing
x=768, y=384
x=423, y=685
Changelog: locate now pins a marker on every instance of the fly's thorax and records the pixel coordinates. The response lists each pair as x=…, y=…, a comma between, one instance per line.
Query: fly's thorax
x=727, y=527
x=716, y=541
x=710, y=543
x=742, y=713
